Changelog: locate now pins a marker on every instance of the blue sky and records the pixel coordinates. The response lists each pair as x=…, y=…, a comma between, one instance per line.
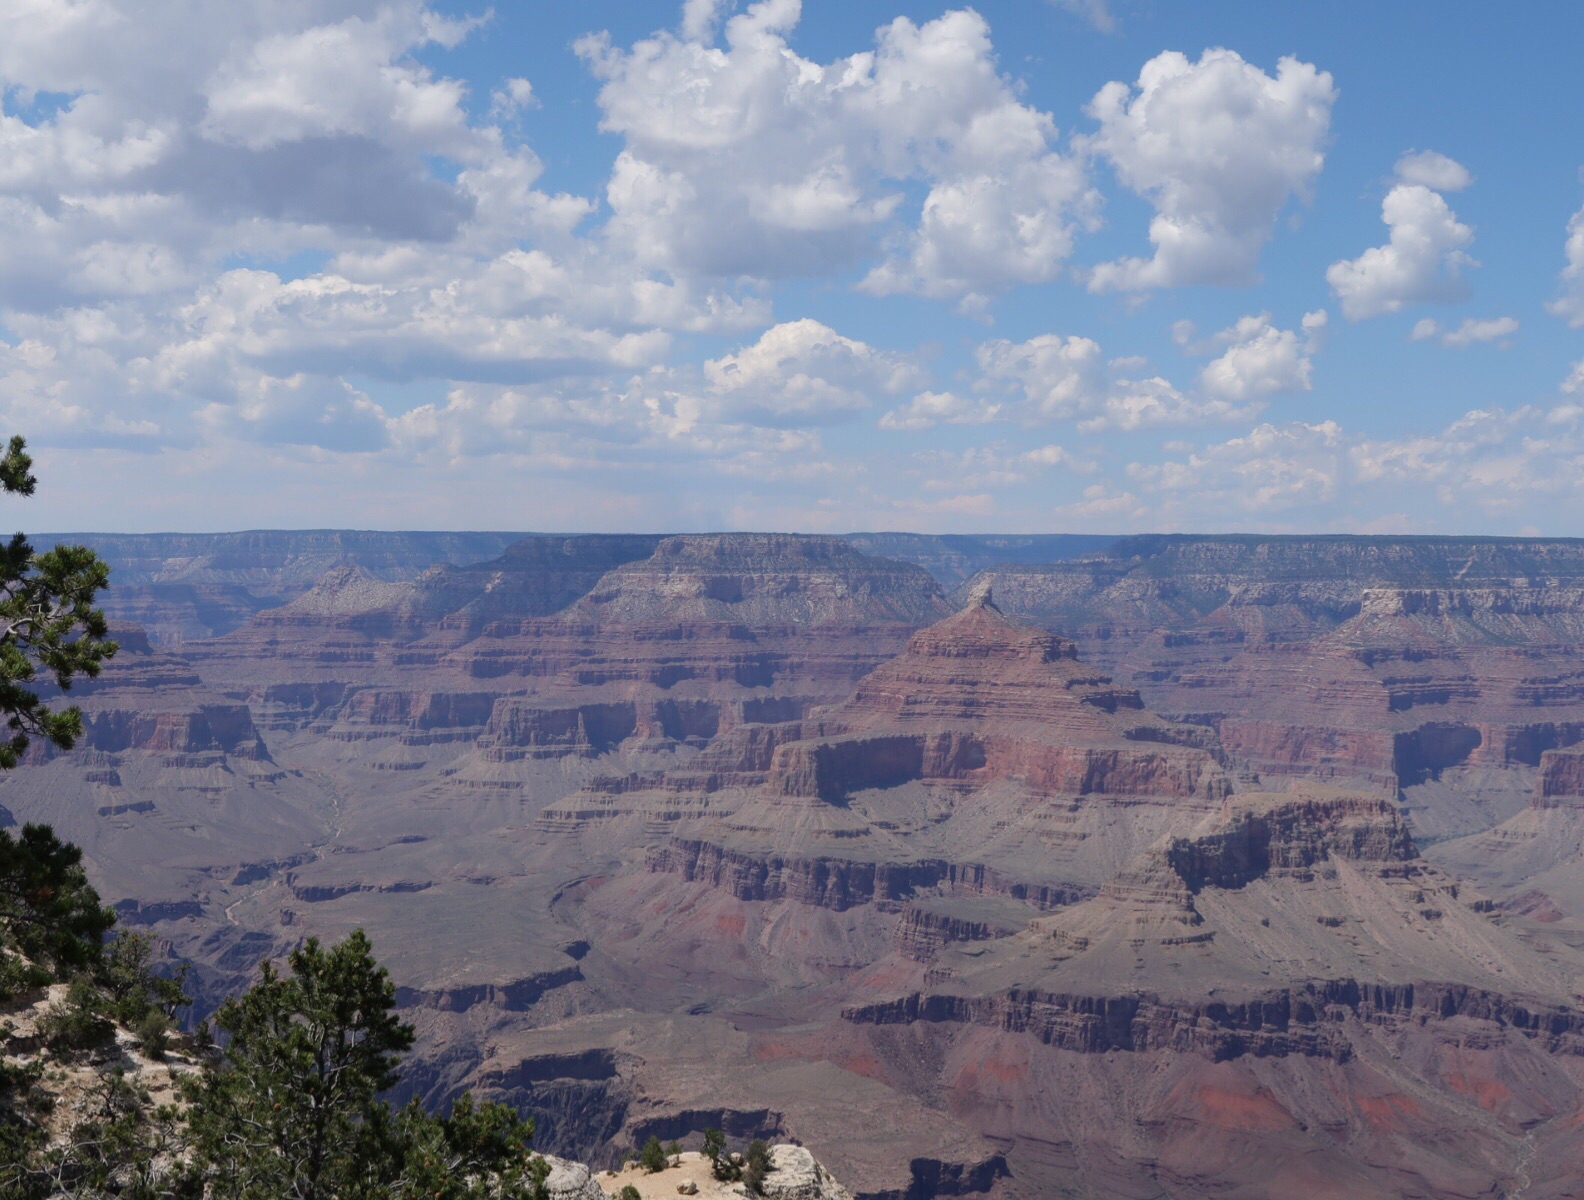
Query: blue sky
x=1021, y=266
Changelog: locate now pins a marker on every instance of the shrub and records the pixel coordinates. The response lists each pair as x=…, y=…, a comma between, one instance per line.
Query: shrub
x=74, y=1022
x=128, y=977
x=18, y=975
x=628, y=1192
x=652, y=1157
x=154, y=1033
x=120, y=1144
x=722, y=1165
x=756, y=1166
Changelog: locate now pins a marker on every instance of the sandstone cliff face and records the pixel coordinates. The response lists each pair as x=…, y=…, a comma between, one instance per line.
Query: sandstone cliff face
x=275, y=563
x=156, y=703
x=1310, y=1019
x=955, y=558
x=838, y=883
x=1561, y=778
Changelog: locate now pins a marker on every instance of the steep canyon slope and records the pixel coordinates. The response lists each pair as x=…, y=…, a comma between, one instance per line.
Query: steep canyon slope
x=1175, y=867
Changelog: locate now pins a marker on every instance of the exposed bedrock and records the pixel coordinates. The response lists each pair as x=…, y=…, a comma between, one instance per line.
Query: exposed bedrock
x=176, y=613
x=1286, y=747
x=1386, y=757
x=510, y=727
x=932, y=1177
x=149, y=700
x=766, y=578
x=922, y=933
x=1561, y=780
x=517, y=995
x=830, y=770
x=578, y=1100
x=520, y=728
x=839, y=883
x=416, y=715
x=293, y=706
x=1291, y=836
x=1510, y=600
x=1130, y=771
x=573, y=653
x=1305, y=1019
x=224, y=727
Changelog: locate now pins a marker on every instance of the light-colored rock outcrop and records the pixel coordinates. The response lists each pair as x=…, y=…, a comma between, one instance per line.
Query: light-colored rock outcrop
x=797, y=1175
x=570, y=1180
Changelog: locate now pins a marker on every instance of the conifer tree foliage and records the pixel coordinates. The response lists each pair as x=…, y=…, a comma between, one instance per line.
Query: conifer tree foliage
x=48, y=625
x=293, y=1110
x=48, y=909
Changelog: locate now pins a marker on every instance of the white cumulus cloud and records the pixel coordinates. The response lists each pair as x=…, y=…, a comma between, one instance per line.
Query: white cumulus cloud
x=750, y=160
x=1261, y=360
x=1271, y=469
x=929, y=409
x=803, y=373
x=1569, y=304
x=1433, y=170
x=1218, y=147
x=1423, y=260
x=1055, y=378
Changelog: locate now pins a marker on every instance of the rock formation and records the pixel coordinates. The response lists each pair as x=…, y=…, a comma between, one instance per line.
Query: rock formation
x=1107, y=882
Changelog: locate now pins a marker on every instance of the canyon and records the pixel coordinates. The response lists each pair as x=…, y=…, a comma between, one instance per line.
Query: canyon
x=1164, y=866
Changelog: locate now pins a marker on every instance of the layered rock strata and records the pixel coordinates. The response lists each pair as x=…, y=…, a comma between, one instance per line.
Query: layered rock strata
x=1389, y=971
x=983, y=732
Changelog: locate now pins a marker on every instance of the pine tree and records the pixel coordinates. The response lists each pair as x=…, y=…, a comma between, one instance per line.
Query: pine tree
x=293, y=1109
x=293, y=1112
x=48, y=909
x=48, y=624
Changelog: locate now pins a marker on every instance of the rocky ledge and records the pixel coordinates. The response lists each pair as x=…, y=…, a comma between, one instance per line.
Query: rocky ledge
x=795, y=1175
x=1306, y=1019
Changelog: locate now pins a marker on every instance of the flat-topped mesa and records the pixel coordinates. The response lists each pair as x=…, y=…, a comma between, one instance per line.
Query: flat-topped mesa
x=763, y=580
x=1466, y=602
x=343, y=592
x=1256, y=837
x=718, y=613
x=1285, y=891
